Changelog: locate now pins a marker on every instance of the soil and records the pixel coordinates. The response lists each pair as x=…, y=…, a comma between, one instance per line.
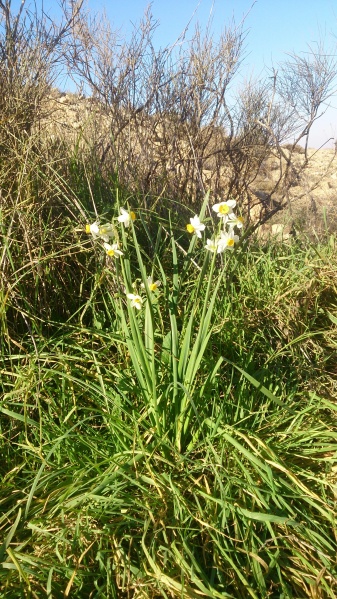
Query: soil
x=312, y=201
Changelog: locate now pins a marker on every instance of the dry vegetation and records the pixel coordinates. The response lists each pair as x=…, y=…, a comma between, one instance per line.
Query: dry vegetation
x=187, y=449
x=163, y=121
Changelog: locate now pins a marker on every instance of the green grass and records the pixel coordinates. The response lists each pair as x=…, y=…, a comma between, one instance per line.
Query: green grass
x=184, y=450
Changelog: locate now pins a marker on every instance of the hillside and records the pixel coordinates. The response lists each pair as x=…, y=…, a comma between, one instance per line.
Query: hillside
x=311, y=201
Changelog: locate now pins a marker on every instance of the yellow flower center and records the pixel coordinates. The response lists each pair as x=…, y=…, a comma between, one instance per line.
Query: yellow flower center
x=132, y=215
x=223, y=209
x=190, y=228
x=87, y=228
x=137, y=300
x=230, y=242
x=111, y=252
x=241, y=219
x=153, y=286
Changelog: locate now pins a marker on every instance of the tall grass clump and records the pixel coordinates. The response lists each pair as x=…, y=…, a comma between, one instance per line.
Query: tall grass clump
x=176, y=436
x=168, y=414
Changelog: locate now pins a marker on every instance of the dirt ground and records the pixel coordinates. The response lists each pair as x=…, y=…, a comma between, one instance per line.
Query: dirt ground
x=312, y=202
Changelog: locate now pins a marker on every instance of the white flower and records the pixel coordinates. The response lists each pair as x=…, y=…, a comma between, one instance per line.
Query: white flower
x=136, y=300
x=235, y=221
x=100, y=231
x=112, y=250
x=152, y=285
x=224, y=210
x=227, y=241
x=195, y=226
x=212, y=245
x=126, y=217
x=106, y=231
x=93, y=229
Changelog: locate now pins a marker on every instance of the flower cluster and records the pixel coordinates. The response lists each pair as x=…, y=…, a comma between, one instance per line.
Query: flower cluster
x=227, y=238
x=136, y=301
x=106, y=232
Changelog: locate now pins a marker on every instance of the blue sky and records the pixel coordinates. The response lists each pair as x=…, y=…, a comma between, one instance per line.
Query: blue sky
x=274, y=28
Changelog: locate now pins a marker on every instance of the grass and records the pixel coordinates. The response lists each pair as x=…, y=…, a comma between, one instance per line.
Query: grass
x=187, y=449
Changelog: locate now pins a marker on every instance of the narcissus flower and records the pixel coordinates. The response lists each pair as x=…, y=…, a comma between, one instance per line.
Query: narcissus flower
x=235, y=221
x=227, y=241
x=153, y=286
x=106, y=232
x=126, y=217
x=195, y=226
x=93, y=229
x=136, y=300
x=212, y=245
x=225, y=209
x=100, y=231
x=112, y=250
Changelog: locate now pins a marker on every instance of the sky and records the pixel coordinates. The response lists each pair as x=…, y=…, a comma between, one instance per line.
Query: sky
x=274, y=29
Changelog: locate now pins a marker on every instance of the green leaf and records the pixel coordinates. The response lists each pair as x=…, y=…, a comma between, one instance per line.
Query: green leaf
x=9, y=536
x=263, y=517
x=332, y=317
x=17, y=416
x=260, y=387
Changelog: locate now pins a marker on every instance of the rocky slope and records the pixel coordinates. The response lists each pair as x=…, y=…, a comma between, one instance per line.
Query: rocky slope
x=312, y=200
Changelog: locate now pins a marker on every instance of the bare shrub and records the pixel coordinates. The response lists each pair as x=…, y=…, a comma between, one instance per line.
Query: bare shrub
x=32, y=49
x=294, y=148
x=34, y=197
x=167, y=111
x=299, y=96
x=167, y=122
x=171, y=124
